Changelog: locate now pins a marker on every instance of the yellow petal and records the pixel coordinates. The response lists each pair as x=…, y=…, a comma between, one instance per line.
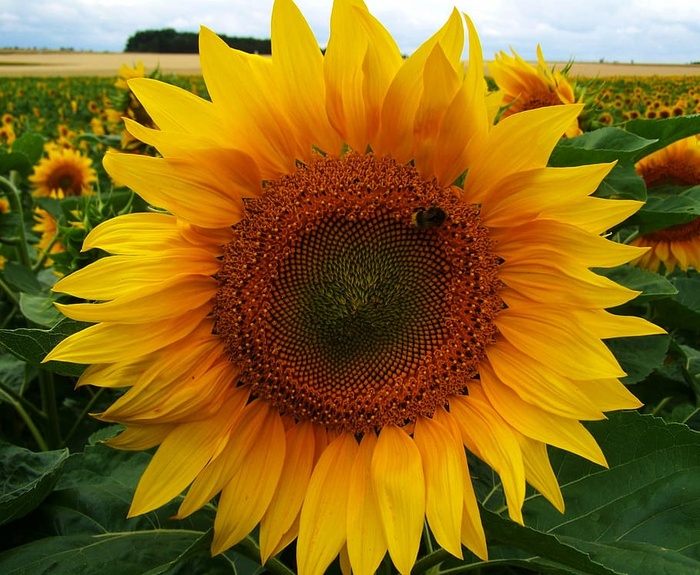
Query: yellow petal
x=607, y=325
x=443, y=461
x=505, y=154
x=466, y=123
x=248, y=493
x=538, y=424
x=109, y=343
x=153, y=303
x=294, y=480
x=322, y=526
x=298, y=69
x=180, y=457
x=112, y=277
x=137, y=233
x=183, y=188
x=536, y=383
x=256, y=123
x=366, y=544
x=489, y=437
x=395, y=137
x=397, y=476
x=587, y=357
x=609, y=394
x=472, y=530
x=345, y=53
x=538, y=471
x=440, y=84
x=140, y=437
x=175, y=109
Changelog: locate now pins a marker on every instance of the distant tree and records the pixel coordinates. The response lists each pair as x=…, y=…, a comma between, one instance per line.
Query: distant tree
x=169, y=41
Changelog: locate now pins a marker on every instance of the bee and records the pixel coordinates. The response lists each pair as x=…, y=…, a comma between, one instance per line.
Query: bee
x=433, y=217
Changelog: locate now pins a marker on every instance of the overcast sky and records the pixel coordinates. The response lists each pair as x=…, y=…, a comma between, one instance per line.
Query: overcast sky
x=654, y=31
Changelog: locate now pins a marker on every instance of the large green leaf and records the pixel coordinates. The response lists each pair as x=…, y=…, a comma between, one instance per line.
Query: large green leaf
x=652, y=285
x=639, y=356
x=32, y=345
x=664, y=131
x=599, y=146
x=27, y=479
x=82, y=527
x=136, y=552
x=683, y=309
x=648, y=500
x=663, y=211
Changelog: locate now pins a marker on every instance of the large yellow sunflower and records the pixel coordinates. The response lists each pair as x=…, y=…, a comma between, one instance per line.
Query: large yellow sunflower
x=679, y=245
x=64, y=170
x=526, y=87
x=324, y=320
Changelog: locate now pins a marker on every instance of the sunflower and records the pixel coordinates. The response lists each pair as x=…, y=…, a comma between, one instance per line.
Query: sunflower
x=527, y=87
x=66, y=170
x=47, y=226
x=679, y=245
x=126, y=105
x=353, y=277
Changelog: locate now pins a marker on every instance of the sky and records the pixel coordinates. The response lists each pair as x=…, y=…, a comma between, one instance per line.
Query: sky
x=640, y=31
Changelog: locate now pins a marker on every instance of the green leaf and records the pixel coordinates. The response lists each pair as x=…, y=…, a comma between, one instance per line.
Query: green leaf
x=664, y=131
x=11, y=371
x=15, y=161
x=639, y=356
x=27, y=478
x=32, y=345
x=82, y=527
x=648, y=500
x=39, y=309
x=683, y=309
x=668, y=210
x=600, y=146
x=622, y=183
x=653, y=286
x=107, y=554
x=31, y=145
x=21, y=278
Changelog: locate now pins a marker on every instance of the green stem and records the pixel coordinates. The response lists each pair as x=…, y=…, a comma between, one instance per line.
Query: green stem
x=82, y=415
x=660, y=405
x=429, y=561
x=426, y=537
x=48, y=401
x=18, y=398
x=15, y=198
x=27, y=420
x=12, y=296
x=249, y=548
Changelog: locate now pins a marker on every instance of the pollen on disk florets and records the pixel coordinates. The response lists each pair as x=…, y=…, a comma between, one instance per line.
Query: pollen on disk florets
x=341, y=307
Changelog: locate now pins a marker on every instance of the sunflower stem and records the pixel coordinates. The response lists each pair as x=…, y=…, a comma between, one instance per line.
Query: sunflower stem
x=15, y=198
x=249, y=548
x=82, y=416
x=429, y=561
x=41, y=442
x=12, y=296
x=48, y=401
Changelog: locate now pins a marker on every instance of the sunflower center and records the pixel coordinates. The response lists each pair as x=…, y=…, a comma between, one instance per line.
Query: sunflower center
x=356, y=295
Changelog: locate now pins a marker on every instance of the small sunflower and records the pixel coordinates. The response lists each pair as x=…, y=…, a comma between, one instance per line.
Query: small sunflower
x=322, y=320
x=527, y=87
x=676, y=246
x=66, y=170
x=47, y=226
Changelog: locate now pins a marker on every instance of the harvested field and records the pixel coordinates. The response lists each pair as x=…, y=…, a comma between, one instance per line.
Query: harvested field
x=21, y=63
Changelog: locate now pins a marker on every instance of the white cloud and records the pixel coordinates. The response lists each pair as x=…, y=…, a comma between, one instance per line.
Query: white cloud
x=622, y=30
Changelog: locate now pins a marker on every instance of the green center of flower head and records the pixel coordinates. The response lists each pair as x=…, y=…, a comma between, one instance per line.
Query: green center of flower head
x=356, y=295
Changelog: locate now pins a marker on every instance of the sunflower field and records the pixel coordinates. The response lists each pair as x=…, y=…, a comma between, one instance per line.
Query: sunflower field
x=350, y=312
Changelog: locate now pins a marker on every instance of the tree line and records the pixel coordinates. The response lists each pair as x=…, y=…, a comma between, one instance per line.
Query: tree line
x=169, y=41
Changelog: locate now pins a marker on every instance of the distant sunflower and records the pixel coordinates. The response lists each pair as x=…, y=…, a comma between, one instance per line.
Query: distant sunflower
x=324, y=320
x=527, y=87
x=679, y=245
x=47, y=227
x=66, y=170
